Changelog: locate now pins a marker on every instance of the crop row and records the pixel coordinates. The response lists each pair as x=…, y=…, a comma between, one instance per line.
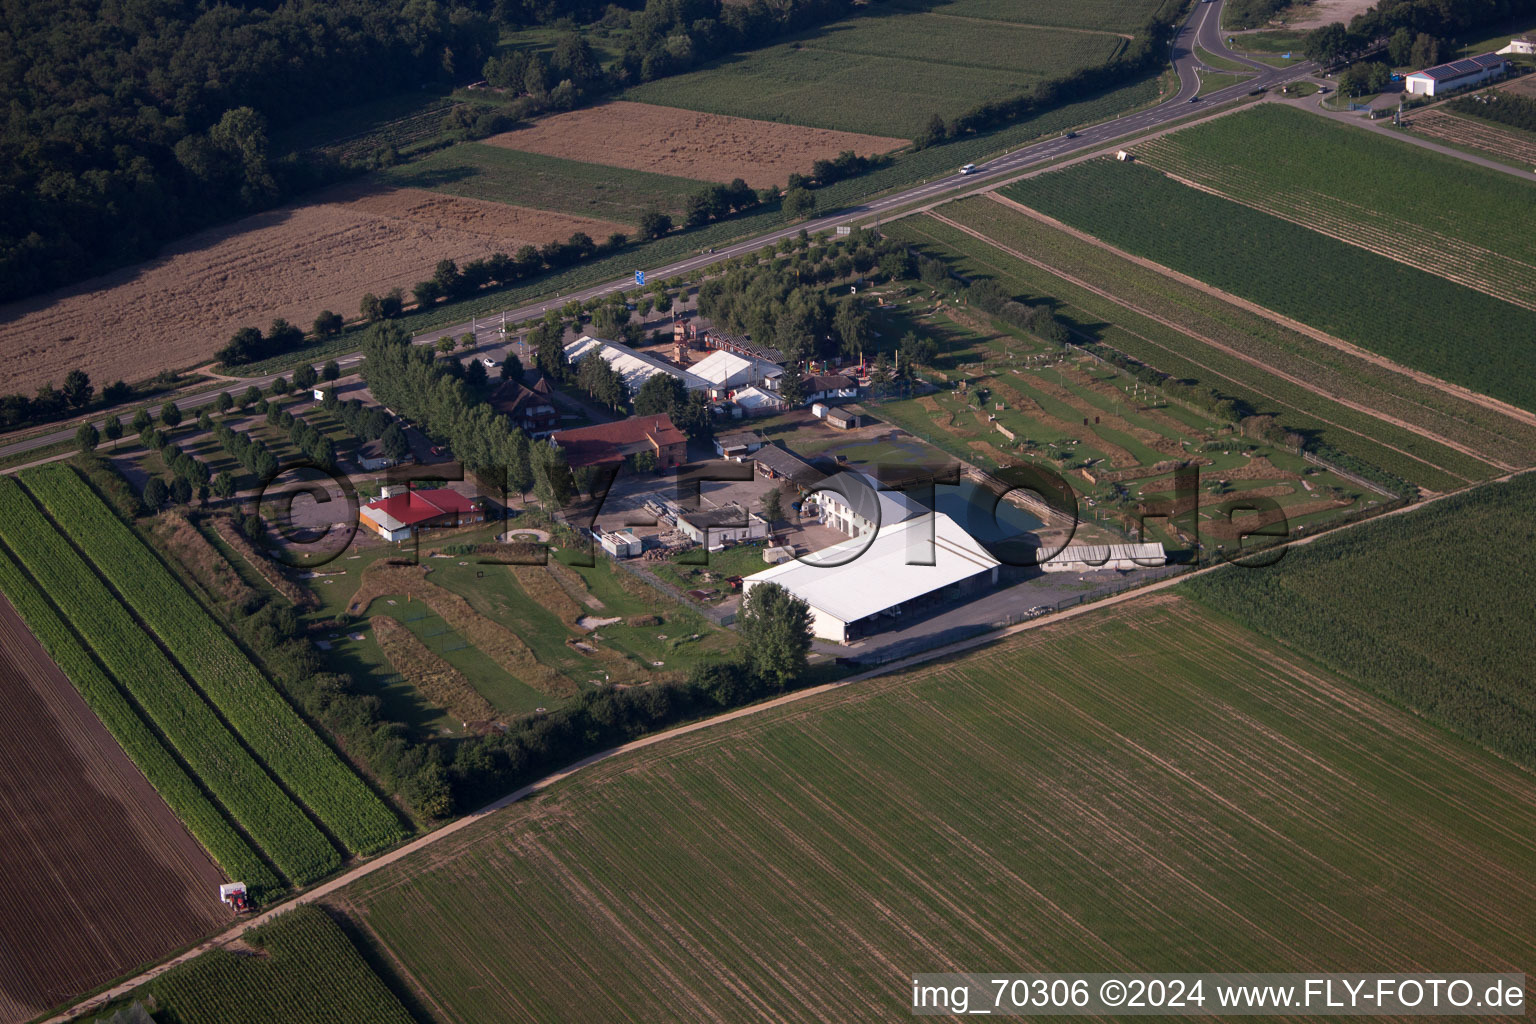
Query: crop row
x=1405, y=314
x=1272, y=345
x=289, y=839
x=1174, y=352
x=1426, y=609
x=312, y=974
x=310, y=769
x=1299, y=164
x=180, y=792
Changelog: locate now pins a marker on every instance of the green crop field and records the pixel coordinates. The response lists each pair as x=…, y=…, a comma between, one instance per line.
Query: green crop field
x=479, y=171
x=1194, y=336
x=1425, y=608
x=1148, y=788
x=209, y=749
x=243, y=695
x=1397, y=311
x=884, y=73
x=306, y=971
x=1100, y=15
x=179, y=790
x=1459, y=220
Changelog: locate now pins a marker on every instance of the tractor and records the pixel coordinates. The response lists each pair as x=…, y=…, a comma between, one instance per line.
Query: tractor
x=235, y=895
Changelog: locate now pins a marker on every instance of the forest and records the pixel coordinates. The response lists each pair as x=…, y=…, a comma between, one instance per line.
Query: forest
x=130, y=123
x=133, y=122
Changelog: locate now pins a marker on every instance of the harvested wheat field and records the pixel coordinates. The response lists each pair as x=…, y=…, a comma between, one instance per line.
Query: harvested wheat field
x=688, y=144
x=293, y=262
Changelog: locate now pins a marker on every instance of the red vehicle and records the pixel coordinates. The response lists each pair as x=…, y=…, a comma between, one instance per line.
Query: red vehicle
x=235, y=896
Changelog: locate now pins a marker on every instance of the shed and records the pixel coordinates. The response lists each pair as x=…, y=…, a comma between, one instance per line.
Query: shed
x=622, y=544
x=1096, y=557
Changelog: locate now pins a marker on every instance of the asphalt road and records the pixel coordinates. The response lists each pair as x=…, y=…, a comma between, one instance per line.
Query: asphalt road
x=1202, y=25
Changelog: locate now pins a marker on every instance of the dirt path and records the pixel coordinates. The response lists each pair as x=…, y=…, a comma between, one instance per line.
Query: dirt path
x=1228, y=350
x=1456, y=390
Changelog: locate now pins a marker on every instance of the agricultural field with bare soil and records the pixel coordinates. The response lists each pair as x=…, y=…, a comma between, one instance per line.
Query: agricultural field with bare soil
x=100, y=876
x=1148, y=788
x=687, y=143
x=293, y=262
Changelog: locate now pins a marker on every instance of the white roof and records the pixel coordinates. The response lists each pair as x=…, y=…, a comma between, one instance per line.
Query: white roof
x=756, y=398
x=384, y=519
x=860, y=493
x=727, y=369
x=635, y=367
x=1098, y=554
x=880, y=577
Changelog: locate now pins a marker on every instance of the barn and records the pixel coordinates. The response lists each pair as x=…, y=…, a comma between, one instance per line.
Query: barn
x=1457, y=74
x=855, y=584
x=400, y=512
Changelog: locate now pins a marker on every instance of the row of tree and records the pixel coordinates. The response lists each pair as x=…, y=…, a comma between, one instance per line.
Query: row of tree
x=369, y=423
x=412, y=381
x=50, y=403
x=1146, y=54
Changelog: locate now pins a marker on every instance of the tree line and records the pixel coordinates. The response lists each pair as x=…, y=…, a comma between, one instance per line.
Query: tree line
x=1414, y=32
x=1144, y=55
x=49, y=403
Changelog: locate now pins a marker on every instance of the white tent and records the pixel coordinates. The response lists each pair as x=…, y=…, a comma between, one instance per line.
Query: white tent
x=635, y=367
x=900, y=563
x=726, y=370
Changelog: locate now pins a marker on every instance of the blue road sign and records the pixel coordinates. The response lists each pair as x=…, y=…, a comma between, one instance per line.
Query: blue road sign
x=639, y=277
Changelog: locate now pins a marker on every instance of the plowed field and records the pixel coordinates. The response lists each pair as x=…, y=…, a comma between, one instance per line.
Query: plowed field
x=687, y=143
x=99, y=876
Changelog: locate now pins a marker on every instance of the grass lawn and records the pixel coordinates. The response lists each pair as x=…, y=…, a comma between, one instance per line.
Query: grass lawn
x=480, y=171
x=507, y=694
x=1151, y=788
x=493, y=591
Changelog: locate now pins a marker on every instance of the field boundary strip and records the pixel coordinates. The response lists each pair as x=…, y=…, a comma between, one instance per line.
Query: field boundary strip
x=351, y=875
x=313, y=772
x=1457, y=390
x=1428, y=435
x=240, y=784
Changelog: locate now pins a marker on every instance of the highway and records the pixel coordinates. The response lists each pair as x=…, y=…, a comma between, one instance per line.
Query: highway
x=1203, y=25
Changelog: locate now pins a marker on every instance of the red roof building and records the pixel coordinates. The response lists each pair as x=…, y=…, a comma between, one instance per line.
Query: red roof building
x=608, y=443
x=396, y=516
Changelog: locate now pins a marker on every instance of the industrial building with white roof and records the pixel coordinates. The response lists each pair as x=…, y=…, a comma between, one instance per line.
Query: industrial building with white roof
x=860, y=578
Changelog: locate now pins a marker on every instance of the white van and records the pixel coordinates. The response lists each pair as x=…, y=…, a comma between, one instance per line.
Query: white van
x=968, y=169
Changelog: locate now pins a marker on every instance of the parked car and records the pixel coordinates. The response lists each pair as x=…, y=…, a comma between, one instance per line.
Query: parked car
x=490, y=364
